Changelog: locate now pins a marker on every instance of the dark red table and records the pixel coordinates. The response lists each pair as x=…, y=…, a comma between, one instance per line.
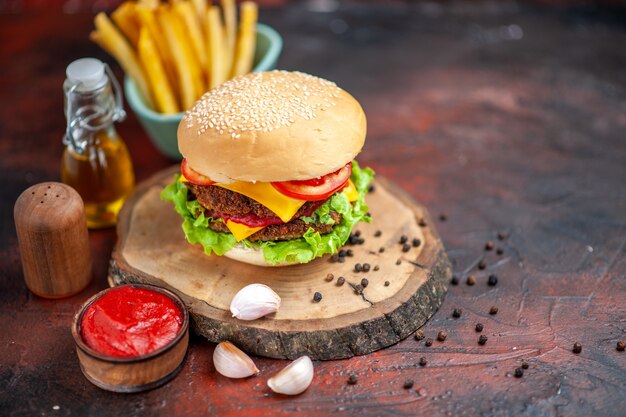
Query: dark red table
x=505, y=118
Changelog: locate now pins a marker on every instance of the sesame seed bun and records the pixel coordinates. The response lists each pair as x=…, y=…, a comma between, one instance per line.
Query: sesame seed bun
x=272, y=126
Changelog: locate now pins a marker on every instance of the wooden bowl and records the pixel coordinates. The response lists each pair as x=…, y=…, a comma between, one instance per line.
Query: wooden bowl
x=132, y=374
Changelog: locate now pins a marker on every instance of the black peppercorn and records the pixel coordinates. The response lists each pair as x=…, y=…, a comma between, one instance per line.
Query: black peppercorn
x=399, y=261
x=353, y=379
x=524, y=365
x=381, y=249
x=419, y=335
x=357, y=233
x=317, y=297
x=479, y=327
x=364, y=282
x=456, y=313
x=378, y=233
x=620, y=346
x=406, y=247
x=422, y=223
x=519, y=372
x=350, y=253
x=358, y=267
x=482, y=339
x=366, y=267
x=454, y=280
x=376, y=267
x=493, y=280
x=501, y=236
x=358, y=288
x=330, y=277
x=428, y=342
x=441, y=336
x=423, y=361
x=340, y=281
x=341, y=260
x=408, y=384
x=489, y=245
x=334, y=257
x=493, y=310
x=470, y=280
x=416, y=242
x=387, y=283
x=342, y=253
x=577, y=348
x=403, y=239
x=482, y=265
x=499, y=251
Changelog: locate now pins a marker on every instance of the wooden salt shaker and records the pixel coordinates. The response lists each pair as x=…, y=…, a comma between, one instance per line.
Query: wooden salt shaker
x=53, y=239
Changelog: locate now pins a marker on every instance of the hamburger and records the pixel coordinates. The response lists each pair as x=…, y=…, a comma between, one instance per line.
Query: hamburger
x=268, y=175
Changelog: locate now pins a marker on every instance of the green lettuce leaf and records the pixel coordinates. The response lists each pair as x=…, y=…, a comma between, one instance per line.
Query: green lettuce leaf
x=310, y=246
x=196, y=227
x=321, y=216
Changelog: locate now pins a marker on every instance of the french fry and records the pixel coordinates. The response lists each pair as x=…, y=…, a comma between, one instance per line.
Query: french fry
x=215, y=42
x=200, y=8
x=147, y=19
x=195, y=68
x=161, y=89
x=185, y=11
x=246, y=41
x=111, y=40
x=125, y=19
x=150, y=4
x=230, y=26
x=188, y=70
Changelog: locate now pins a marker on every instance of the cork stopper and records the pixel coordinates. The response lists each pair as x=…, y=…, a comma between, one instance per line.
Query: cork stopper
x=53, y=240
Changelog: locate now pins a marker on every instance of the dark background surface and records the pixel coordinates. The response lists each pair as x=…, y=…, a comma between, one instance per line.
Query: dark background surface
x=503, y=117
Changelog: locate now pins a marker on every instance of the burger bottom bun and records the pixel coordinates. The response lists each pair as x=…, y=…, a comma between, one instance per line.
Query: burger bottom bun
x=251, y=256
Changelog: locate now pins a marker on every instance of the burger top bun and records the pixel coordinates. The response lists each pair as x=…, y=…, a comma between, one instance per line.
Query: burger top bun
x=272, y=126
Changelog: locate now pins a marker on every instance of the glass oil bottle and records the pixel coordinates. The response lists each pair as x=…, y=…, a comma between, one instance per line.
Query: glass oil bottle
x=95, y=162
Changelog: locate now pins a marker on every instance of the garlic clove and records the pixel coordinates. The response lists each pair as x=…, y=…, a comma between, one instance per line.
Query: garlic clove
x=254, y=301
x=294, y=379
x=232, y=362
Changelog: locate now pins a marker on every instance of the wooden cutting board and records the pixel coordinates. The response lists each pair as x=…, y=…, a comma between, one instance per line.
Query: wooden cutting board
x=403, y=292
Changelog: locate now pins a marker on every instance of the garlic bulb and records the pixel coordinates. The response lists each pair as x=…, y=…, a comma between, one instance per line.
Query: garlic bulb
x=230, y=361
x=254, y=301
x=294, y=378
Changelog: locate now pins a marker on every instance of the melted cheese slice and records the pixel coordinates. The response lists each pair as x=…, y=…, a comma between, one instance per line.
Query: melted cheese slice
x=263, y=193
x=241, y=231
x=351, y=192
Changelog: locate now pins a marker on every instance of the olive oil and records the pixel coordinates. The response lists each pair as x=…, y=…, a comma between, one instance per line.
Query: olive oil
x=103, y=176
x=95, y=162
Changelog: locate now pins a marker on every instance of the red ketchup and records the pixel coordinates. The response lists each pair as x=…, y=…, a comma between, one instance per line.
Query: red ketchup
x=128, y=322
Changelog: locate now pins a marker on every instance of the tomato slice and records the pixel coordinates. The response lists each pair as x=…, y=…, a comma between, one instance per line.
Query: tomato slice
x=194, y=176
x=316, y=189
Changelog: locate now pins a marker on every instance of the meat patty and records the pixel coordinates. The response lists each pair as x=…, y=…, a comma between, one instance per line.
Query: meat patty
x=286, y=231
x=221, y=200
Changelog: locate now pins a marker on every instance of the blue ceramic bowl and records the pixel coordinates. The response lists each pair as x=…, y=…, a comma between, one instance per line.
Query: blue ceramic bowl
x=162, y=128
